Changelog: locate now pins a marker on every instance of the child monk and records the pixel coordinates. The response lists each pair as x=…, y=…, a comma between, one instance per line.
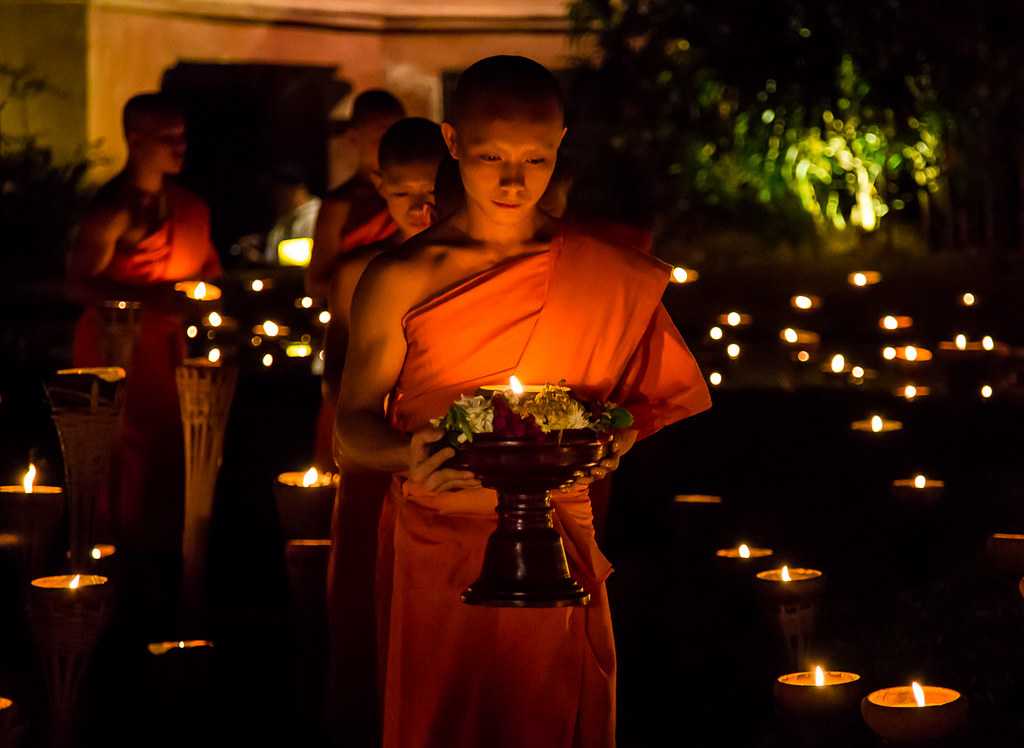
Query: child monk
x=142, y=233
x=499, y=288
x=410, y=152
x=354, y=214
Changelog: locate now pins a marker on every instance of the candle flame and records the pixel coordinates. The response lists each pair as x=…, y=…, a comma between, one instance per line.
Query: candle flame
x=785, y=574
x=310, y=477
x=920, y=481
x=859, y=279
x=325, y=317
x=306, y=302
x=910, y=392
x=181, y=645
x=96, y=553
x=918, y=693
x=213, y=355
x=715, y=378
x=819, y=676
x=75, y=581
x=29, y=479
x=789, y=335
x=215, y=319
x=199, y=292
x=257, y=285
x=268, y=359
x=888, y=353
x=890, y=323
x=733, y=318
x=968, y=299
x=716, y=333
x=911, y=353
x=802, y=302
x=270, y=328
x=877, y=424
x=838, y=363
x=744, y=550
x=961, y=342
x=515, y=385
x=733, y=350
x=857, y=372
x=988, y=343
x=986, y=391
x=679, y=275
x=803, y=357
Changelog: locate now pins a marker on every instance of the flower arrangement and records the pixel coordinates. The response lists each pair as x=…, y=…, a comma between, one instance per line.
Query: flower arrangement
x=546, y=414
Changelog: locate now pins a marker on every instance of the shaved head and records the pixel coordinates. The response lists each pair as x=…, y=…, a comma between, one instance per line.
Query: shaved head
x=143, y=111
x=507, y=87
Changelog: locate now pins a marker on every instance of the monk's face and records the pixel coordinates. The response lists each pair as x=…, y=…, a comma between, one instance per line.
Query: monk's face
x=408, y=190
x=158, y=143
x=506, y=156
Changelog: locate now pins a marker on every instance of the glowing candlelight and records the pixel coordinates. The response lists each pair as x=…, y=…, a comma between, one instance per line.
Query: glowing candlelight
x=819, y=676
x=793, y=336
x=876, y=424
x=697, y=498
x=215, y=319
x=73, y=584
x=735, y=319
x=270, y=328
x=103, y=550
x=306, y=302
x=961, y=342
x=790, y=582
x=310, y=477
x=29, y=479
x=918, y=487
x=805, y=303
x=838, y=363
x=214, y=355
x=192, y=331
x=920, y=481
x=298, y=350
x=785, y=576
x=744, y=552
x=683, y=275
x=268, y=359
x=988, y=343
x=803, y=357
x=295, y=252
x=789, y=335
x=914, y=713
x=891, y=322
x=986, y=391
x=324, y=317
x=819, y=692
x=733, y=350
x=256, y=285
x=968, y=299
x=715, y=333
x=910, y=353
x=515, y=385
x=864, y=278
x=857, y=372
x=198, y=290
x=715, y=378
x=162, y=648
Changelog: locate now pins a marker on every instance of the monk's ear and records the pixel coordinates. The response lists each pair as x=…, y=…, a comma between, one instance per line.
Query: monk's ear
x=451, y=139
x=378, y=181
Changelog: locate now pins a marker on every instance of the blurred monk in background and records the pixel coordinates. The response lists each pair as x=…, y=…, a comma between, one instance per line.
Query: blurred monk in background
x=410, y=153
x=498, y=288
x=142, y=233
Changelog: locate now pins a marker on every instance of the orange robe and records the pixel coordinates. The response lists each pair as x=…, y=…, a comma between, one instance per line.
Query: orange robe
x=459, y=675
x=145, y=511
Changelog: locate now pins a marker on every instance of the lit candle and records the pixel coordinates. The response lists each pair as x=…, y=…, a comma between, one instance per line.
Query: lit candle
x=968, y=299
x=270, y=329
x=961, y=346
x=917, y=488
x=864, y=278
x=516, y=389
x=698, y=498
x=818, y=691
x=911, y=392
x=161, y=648
x=324, y=317
x=198, y=290
x=876, y=424
x=837, y=364
x=805, y=302
x=257, y=285
x=681, y=275
x=985, y=391
x=911, y=354
x=298, y=350
x=733, y=350
x=914, y=713
x=890, y=322
x=735, y=319
x=305, y=501
x=715, y=378
x=715, y=333
x=791, y=582
x=71, y=582
x=294, y=252
x=794, y=336
x=102, y=551
x=744, y=552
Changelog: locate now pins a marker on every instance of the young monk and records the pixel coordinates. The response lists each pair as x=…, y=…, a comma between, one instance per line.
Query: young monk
x=142, y=233
x=410, y=152
x=354, y=214
x=499, y=288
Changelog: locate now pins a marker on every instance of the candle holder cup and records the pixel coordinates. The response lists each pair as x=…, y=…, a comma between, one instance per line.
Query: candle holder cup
x=810, y=712
x=793, y=606
x=304, y=511
x=893, y=715
x=524, y=563
x=66, y=625
x=1005, y=551
x=86, y=405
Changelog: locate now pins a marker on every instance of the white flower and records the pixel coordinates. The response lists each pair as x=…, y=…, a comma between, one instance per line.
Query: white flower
x=479, y=413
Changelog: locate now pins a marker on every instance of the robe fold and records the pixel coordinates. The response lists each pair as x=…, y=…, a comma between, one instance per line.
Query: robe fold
x=145, y=508
x=457, y=675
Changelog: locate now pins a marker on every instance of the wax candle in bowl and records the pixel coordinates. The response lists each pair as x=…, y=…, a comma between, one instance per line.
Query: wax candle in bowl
x=30, y=515
x=305, y=501
x=817, y=691
x=914, y=713
x=918, y=488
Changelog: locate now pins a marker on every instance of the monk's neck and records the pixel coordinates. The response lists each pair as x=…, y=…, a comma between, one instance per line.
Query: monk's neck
x=481, y=228
x=144, y=179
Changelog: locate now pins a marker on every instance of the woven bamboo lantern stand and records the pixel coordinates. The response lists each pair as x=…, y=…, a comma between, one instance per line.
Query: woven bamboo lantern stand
x=67, y=614
x=205, y=390
x=86, y=406
x=120, y=330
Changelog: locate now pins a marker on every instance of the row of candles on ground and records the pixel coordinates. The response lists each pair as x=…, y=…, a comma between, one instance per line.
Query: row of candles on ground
x=933, y=711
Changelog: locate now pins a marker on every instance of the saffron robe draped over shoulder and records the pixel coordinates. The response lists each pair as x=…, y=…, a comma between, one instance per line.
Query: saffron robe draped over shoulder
x=459, y=675
x=146, y=507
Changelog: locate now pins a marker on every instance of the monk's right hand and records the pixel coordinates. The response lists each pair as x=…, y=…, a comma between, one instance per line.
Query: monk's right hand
x=425, y=469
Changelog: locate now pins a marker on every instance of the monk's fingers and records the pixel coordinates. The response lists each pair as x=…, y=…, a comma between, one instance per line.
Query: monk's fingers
x=424, y=467
x=598, y=472
x=458, y=485
x=623, y=441
x=422, y=438
x=439, y=478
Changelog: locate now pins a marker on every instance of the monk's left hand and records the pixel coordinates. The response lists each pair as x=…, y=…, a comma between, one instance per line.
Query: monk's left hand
x=622, y=442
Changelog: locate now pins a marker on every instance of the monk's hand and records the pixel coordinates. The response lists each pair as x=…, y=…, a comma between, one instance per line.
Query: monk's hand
x=622, y=442
x=426, y=467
